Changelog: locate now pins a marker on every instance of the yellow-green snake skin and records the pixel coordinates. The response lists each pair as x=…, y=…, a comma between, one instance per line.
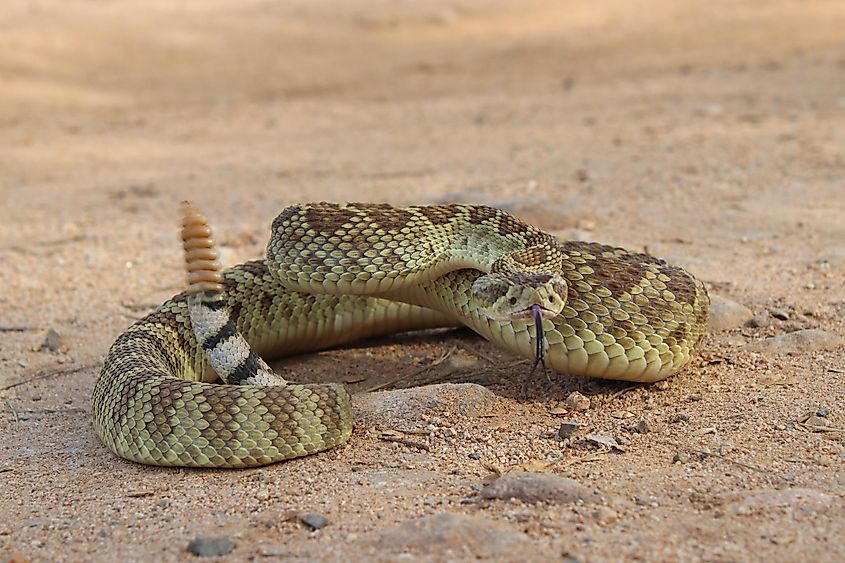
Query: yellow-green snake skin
x=335, y=273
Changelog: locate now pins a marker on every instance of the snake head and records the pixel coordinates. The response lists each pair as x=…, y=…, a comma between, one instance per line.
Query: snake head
x=520, y=296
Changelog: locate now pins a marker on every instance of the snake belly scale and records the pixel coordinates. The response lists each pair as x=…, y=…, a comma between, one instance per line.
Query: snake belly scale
x=335, y=273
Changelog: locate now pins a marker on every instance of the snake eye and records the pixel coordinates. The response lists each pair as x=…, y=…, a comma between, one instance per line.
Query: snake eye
x=551, y=298
x=512, y=300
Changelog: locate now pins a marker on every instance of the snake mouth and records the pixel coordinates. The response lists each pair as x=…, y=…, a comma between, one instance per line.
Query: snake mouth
x=534, y=313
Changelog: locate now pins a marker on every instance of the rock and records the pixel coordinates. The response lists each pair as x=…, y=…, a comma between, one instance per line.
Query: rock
x=726, y=314
x=822, y=411
x=461, y=361
x=280, y=551
x=679, y=417
x=823, y=460
x=800, y=500
x=582, y=174
x=779, y=314
x=577, y=401
x=605, y=516
x=759, y=321
x=314, y=521
x=452, y=537
x=400, y=406
x=52, y=342
x=211, y=546
x=568, y=428
x=641, y=427
x=607, y=441
x=809, y=340
x=817, y=422
x=681, y=457
x=539, y=487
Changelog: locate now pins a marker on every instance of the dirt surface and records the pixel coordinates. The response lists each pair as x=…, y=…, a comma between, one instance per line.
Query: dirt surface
x=709, y=133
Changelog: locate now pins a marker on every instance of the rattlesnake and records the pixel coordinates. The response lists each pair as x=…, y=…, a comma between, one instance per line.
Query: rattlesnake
x=341, y=272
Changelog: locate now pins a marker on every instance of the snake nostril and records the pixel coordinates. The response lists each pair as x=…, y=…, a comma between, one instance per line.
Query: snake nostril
x=512, y=301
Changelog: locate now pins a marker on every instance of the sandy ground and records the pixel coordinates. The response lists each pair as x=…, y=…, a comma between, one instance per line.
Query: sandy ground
x=710, y=133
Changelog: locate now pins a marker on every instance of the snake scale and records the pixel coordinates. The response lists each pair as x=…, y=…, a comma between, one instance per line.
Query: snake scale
x=335, y=273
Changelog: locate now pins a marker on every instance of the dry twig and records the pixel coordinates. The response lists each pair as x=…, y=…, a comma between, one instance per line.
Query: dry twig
x=47, y=374
x=414, y=373
x=405, y=442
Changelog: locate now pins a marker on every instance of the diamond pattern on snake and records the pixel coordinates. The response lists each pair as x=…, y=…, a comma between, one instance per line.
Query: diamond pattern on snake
x=188, y=386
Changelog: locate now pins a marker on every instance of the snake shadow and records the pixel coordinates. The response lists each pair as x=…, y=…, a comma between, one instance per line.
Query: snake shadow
x=430, y=357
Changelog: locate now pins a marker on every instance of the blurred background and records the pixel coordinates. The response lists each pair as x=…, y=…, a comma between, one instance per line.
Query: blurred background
x=407, y=101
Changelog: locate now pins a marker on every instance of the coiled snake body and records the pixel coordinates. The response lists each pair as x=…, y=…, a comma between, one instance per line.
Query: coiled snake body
x=341, y=272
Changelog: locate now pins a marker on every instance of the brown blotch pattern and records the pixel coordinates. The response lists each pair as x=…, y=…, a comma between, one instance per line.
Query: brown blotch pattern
x=437, y=214
x=328, y=218
x=393, y=219
x=481, y=213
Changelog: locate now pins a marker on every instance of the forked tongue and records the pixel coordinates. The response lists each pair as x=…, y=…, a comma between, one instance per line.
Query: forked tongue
x=539, y=354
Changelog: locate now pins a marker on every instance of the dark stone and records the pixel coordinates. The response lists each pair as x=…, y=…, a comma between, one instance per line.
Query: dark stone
x=52, y=342
x=314, y=521
x=679, y=417
x=211, y=546
x=779, y=314
x=567, y=429
x=641, y=427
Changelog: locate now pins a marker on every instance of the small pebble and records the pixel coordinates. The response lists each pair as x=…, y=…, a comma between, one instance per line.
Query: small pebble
x=314, y=521
x=279, y=551
x=679, y=417
x=816, y=421
x=52, y=342
x=474, y=456
x=823, y=460
x=681, y=457
x=761, y=320
x=577, y=401
x=694, y=397
x=211, y=546
x=823, y=412
x=726, y=314
x=606, y=441
x=641, y=427
x=779, y=314
x=567, y=429
x=604, y=515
